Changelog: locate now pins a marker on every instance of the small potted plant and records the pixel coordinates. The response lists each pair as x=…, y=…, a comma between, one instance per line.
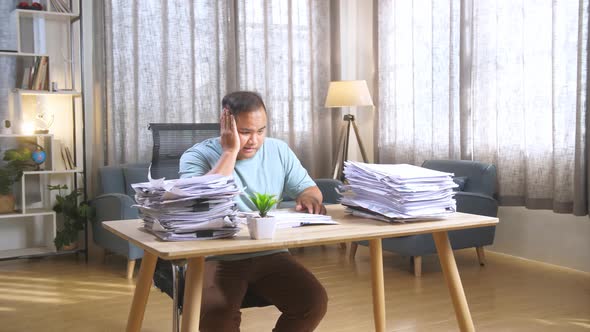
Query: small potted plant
x=74, y=215
x=16, y=161
x=262, y=226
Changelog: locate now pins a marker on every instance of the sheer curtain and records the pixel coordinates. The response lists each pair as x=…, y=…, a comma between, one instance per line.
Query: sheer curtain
x=173, y=61
x=501, y=82
x=166, y=61
x=284, y=55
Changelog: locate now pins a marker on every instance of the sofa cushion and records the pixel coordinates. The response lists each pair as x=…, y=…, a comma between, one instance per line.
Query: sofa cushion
x=134, y=175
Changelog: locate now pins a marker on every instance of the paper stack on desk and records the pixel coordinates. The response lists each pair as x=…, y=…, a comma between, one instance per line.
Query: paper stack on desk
x=397, y=192
x=188, y=209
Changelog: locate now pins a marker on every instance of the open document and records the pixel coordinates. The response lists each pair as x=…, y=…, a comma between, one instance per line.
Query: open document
x=287, y=218
x=291, y=218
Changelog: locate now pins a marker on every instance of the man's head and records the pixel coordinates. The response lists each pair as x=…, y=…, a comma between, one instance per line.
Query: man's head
x=250, y=114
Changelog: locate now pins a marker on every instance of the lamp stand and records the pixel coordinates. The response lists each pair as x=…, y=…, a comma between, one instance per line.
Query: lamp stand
x=343, y=141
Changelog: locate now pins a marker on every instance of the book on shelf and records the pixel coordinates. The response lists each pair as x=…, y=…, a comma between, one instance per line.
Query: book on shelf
x=69, y=159
x=26, y=78
x=66, y=158
x=39, y=73
x=60, y=6
x=62, y=152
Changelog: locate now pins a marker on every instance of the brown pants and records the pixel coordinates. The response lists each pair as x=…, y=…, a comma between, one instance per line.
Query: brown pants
x=278, y=278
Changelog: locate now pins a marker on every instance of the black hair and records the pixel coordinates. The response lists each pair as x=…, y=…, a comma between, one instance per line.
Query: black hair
x=242, y=101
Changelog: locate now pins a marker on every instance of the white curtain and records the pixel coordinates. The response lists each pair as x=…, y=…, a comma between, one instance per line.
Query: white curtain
x=496, y=81
x=284, y=54
x=166, y=61
x=173, y=61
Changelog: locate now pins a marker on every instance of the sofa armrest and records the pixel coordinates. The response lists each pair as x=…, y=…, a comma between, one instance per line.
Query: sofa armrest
x=114, y=207
x=476, y=203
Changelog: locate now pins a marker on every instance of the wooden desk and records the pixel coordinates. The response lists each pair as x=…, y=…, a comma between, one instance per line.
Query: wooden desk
x=351, y=229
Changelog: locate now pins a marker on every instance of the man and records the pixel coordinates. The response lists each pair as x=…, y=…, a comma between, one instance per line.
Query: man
x=263, y=165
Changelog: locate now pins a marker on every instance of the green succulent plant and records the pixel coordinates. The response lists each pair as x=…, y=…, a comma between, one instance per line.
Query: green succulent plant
x=264, y=202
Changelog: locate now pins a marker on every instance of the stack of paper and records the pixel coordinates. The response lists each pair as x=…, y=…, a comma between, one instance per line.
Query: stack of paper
x=188, y=209
x=397, y=192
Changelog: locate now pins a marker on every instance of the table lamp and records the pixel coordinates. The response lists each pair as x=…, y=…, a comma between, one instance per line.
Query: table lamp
x=347, y=94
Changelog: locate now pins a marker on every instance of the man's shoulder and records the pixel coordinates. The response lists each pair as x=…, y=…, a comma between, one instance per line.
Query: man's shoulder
x=210, y=144
x=276, y=143
x=208, y=148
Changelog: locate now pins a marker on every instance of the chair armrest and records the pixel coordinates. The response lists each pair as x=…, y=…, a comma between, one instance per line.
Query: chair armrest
x=476, y=203
x=114, y=206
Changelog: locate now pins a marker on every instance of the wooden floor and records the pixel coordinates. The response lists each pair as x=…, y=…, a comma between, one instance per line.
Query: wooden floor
x=509, y=294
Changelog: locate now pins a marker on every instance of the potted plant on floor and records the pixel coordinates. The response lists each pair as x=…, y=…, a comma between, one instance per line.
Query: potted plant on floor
x=75, y=214
x=262, y=226
x=16, y=161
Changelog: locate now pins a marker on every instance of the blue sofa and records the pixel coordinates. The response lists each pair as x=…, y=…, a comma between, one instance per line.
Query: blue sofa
x=475, y=195
x=114, y=203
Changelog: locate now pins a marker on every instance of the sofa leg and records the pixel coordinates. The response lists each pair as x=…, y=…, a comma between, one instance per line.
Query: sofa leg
x=417, y=265
x=353, y=247
x=481, y=257
x=130, y=268
x=103, y=255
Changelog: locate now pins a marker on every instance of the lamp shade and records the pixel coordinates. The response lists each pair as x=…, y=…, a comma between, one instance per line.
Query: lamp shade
x=348, y=93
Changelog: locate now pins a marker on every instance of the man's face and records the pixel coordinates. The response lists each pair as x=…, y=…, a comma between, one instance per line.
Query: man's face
x=252, y=130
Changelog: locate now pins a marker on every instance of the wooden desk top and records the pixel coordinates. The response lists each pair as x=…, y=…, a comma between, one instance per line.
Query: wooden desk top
x=351, y=228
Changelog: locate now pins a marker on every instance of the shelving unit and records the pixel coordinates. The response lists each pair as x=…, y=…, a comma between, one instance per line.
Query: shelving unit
x=57, y=36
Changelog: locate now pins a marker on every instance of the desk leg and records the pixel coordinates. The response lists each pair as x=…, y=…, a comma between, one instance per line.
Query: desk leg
x=449, y=268
x=142, y=291
x=193, y=290
x=377, y=284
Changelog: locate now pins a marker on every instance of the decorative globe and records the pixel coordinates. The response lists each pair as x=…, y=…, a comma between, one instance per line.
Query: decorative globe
x=39, y=156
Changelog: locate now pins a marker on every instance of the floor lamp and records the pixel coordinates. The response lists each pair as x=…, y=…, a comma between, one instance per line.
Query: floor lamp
x=347, y=94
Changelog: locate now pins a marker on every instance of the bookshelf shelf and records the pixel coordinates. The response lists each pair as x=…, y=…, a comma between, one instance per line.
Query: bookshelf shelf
x=46, y=14
x=65, y=171
x=26, y=92
x=48, y=47
x=30, y=213
x=15, y=53
x=25, y=135
x=26, y=252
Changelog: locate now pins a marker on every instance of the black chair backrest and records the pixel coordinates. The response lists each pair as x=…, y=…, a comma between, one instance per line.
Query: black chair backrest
x=328, y=189
x=171, y=140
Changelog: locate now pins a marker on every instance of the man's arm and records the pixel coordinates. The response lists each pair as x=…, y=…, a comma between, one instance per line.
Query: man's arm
x=310, y=200
x=230, y=143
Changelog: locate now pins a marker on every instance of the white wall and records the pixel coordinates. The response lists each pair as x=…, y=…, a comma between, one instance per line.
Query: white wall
x=356, y=27
x=541, y=235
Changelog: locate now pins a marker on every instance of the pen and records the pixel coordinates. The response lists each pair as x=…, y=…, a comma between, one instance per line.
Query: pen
x=307, y=223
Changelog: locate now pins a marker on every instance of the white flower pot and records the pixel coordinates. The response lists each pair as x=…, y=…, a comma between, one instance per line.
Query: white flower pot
x=262, y=228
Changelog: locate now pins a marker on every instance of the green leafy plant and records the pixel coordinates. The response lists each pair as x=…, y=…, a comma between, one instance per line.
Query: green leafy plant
x=16, y=161
x=74, y=214
x=264, y=202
